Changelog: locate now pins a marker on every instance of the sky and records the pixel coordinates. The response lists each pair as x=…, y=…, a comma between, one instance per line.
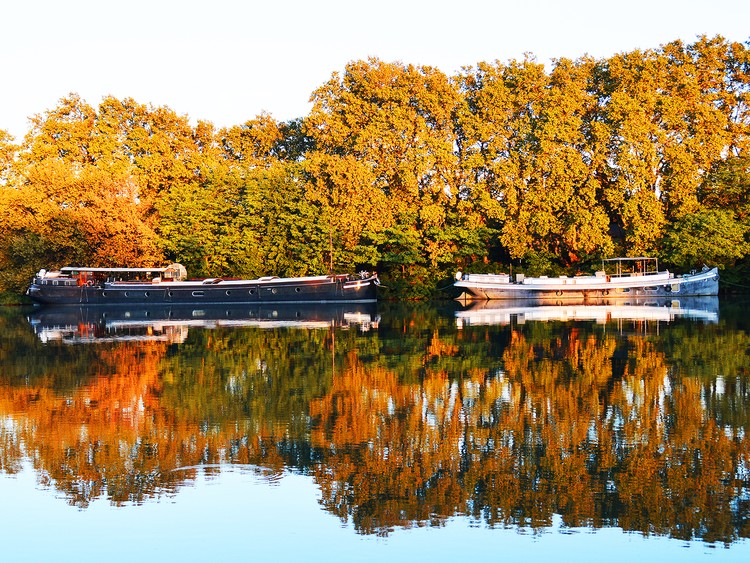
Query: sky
x=227, y=61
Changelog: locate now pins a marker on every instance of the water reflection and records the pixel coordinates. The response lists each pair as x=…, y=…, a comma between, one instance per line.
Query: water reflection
x=169, y=323
x=410, y=423
x=600, y=310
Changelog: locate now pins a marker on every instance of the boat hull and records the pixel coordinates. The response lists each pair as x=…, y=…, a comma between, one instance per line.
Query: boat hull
x=585, y=288
x=318, y=289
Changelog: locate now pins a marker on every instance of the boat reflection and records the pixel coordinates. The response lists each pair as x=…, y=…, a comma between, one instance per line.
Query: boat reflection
x=96, y=324
x=602, y=311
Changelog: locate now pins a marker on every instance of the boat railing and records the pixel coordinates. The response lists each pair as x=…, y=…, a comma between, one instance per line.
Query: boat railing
x=630, y=266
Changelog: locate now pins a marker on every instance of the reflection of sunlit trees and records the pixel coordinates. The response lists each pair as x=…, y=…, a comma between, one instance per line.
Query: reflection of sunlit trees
x=10, y=447
x=589, y=426
x=409, y=425
x=99, y=438
x=683, y=482
x=388, y=447
x=137, y=412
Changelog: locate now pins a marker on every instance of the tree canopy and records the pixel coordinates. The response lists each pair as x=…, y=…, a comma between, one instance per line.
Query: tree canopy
x=404, y=170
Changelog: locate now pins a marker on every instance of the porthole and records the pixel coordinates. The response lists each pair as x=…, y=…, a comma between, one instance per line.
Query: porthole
x=273, y=291
x=145, y=294
x=104, y=293
x=170, y=294
x=126, y=294
x=197, y=294
x=252, y=292
x=297, y=289
x=229, y=292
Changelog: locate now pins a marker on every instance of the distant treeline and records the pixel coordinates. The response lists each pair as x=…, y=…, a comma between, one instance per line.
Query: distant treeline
x=404, y=170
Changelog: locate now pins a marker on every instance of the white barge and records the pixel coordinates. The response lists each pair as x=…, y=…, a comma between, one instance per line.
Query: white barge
x=619, y=277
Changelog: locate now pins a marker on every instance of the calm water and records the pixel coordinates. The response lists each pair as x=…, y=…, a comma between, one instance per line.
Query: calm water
x=400, y=432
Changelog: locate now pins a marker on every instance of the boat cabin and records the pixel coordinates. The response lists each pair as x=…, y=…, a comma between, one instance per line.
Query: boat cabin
x=78, y=276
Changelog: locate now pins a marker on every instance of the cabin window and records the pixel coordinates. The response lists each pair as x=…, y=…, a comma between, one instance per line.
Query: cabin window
x=145, y=293
x=170, y=293
x=297, y=289
x=104, y=293
x=651, y=288
x=252, y=292
x=126, y=294
x=197, y=294
x=228, y=292
x=273, y=291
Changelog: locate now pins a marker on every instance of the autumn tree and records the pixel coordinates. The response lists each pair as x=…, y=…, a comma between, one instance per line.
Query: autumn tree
x=533, y=144
x=402, y=169
x=261, y=141
x=674, y=114
x=8, y=151
x=158, y=146
x=384, y=165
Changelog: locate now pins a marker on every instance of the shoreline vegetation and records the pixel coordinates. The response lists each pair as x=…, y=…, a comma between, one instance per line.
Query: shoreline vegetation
x=403, y=170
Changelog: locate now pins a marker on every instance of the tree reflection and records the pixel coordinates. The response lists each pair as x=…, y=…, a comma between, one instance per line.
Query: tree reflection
x=641, y=427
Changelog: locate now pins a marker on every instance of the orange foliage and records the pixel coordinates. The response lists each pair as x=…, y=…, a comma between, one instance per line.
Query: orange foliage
x=593, y=427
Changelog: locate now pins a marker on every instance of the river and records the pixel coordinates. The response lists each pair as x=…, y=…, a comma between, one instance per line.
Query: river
x=369, y=432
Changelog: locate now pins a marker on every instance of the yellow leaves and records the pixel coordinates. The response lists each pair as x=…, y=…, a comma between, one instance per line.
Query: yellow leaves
x=348, y=191
x=252, y=143
x=8, y=151
x=535, y=158
x=394, y=118
x=408, y=164
x=64, y=133
x=644, y=221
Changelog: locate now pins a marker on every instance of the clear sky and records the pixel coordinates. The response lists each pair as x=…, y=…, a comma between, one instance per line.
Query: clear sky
x=226, y=61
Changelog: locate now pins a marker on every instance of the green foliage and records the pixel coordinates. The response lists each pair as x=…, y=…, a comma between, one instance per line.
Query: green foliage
x=540, y=264
x=292, y=231
x=712, y=236
x=206, y=227
x=728, y=186
x=23, y=250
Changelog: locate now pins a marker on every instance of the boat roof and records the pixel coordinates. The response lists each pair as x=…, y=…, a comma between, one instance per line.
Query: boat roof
x=68, y=269
x=629, y=259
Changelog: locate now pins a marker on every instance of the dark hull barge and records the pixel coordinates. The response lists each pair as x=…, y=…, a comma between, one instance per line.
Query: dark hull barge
x=118, y=286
